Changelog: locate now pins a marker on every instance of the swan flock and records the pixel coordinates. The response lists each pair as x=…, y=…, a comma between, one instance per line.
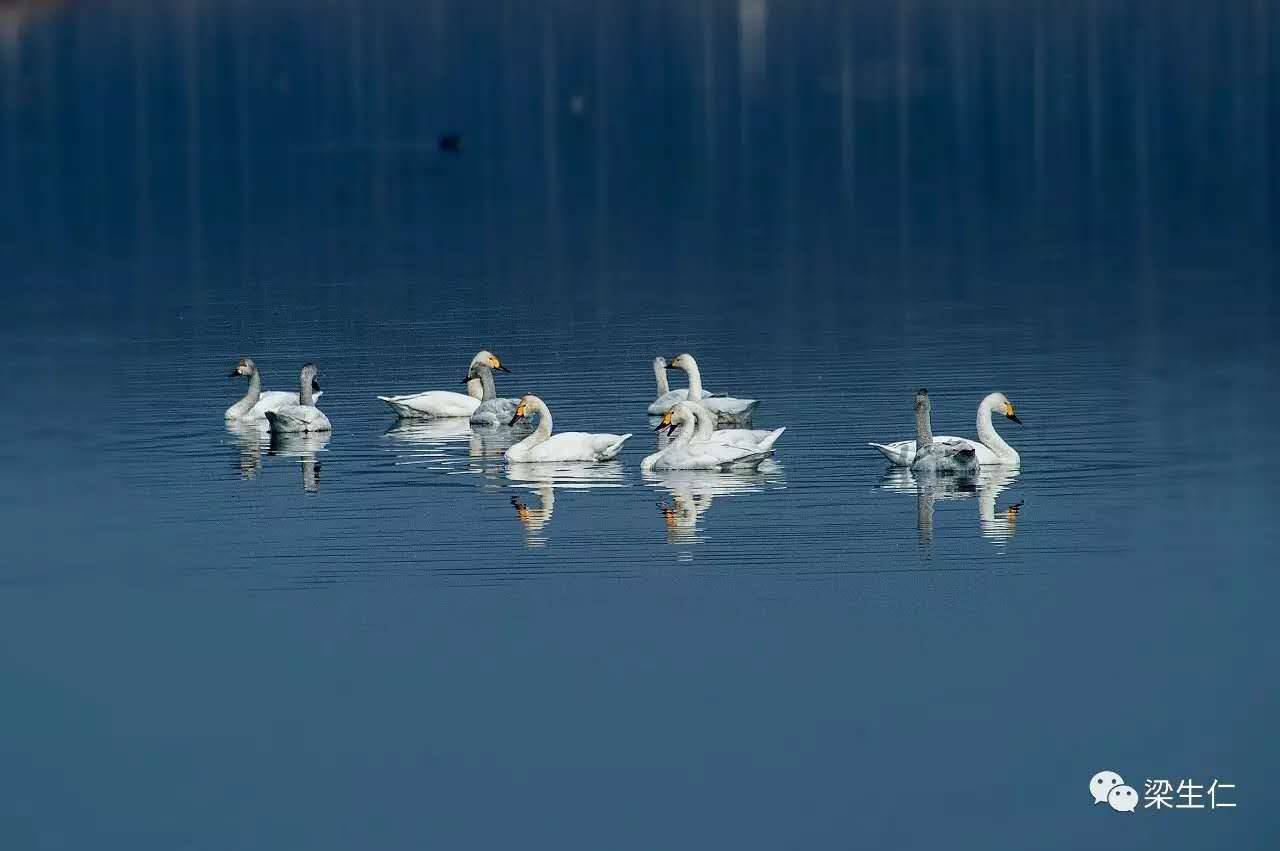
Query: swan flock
x=704, y=430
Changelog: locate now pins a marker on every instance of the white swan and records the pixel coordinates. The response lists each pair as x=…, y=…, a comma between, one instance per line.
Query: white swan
x=936, y=456
x=685, y=452
x=304, y=416
x=493, y=411
x=446, y=403
x=726, y=408
x=759, y=438
x=542, y=446
x=256, y=401
x=666, y=396
x=990, y=446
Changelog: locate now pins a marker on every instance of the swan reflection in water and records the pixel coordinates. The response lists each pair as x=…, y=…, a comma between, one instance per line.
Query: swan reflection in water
x=689, y=494
x=433, y=442
x=251, y=438
x=302, y=446
x=996, y=526
x=543, y=480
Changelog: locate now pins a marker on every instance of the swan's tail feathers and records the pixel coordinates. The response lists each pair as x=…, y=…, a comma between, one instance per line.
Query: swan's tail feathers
x=614, y=448
x=772, y=438
x=401, y=409
x=753, y=461
x=894, y=453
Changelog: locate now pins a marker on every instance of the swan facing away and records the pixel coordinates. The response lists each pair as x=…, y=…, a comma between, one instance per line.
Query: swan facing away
x=256, y=401
x=990, y=446
x=706, y=430
x=727, y=409
x=666, y=396
x=543, y=446
x=936, y=456
x=304, y=416
x=687, y=452
x=492, y=411
x=446, y=403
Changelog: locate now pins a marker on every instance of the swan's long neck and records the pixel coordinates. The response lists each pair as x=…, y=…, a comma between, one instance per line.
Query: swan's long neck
x=684, y=434
x=304, y=392
x=924, y=431
x=695, y=380
x=255, y=388
x=487, y=388
x=543, y=431
x=660, y=373
x=987, y=434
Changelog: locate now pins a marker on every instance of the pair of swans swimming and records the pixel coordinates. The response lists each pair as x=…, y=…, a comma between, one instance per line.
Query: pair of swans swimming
x=727, y=409
x=280, y=410
x=928, y=454
x=480, y=404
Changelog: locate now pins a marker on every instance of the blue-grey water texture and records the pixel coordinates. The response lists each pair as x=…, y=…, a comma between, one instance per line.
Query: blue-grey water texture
x=390, y=639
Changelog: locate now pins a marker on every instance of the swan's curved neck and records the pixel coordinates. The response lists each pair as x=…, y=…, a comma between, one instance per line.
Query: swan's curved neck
x=304, y=393
x=695, y=380
x=660, y=373
x=987, y=434
x=684, y=434
x=924, y=431
x=255, y=388
x=475, y=389
x=543, y=431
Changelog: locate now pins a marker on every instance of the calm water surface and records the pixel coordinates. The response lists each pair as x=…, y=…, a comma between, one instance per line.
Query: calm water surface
x=389, y=637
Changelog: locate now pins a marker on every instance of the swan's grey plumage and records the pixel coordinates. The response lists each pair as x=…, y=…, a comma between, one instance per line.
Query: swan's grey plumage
x=256, y=401
x=493, y=411
x=304, y=416
x=936, y=456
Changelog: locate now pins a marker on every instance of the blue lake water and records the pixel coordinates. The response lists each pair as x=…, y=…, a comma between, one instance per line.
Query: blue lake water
x=391, y=638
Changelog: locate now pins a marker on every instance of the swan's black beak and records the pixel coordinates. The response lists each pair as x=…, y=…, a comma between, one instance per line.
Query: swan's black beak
x=659, y=427
x=315, y=384
x=465, y=380
x=234, y=373
x=503, y=368
x=515, y=419
x=1014, y=417
x=670, y=365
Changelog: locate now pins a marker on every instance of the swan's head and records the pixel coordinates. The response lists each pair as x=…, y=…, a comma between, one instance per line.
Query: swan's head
x=659, y=363
x=1000, y=404
x=489, y=359
x=244, y=367
x=478, y=371
x=527, y=402
x=684, y=362
x=678, y=415
x=922, y=400
x=311, y=375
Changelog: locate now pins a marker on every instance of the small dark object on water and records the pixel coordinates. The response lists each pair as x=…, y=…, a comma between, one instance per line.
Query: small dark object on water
x=450, y=143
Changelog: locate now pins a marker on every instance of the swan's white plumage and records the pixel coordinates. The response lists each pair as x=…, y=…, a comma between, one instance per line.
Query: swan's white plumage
x=990, y=448
x=544, y=447
x=443, y=403
x=687, y=451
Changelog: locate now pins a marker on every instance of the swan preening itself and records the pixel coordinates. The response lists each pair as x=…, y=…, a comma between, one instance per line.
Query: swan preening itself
x=256, y=401
x=446, y=403
x=727, y=409
x=543, y=446
x=938, y=456
x=693, y=448
x=304, y=416
x=989, y=447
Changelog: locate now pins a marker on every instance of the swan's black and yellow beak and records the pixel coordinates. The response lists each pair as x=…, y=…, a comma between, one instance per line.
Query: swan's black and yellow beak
x=234, y=373
x=665, y=423
x=521, y=411
x=495, y=363
x=1008, y=412
x=315, y=384
x=671, y=363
